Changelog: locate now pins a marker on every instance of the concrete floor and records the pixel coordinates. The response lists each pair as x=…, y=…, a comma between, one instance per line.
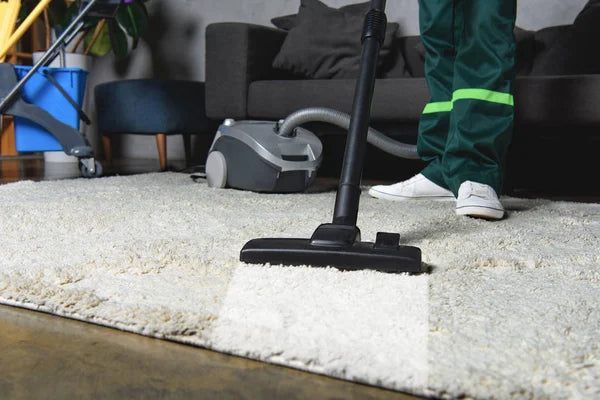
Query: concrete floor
x=44, y=356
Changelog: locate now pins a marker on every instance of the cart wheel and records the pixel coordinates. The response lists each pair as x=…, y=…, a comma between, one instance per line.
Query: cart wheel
x=85, y=171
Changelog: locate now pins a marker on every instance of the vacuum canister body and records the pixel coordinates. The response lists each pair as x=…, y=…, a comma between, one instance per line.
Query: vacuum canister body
x=250, y=155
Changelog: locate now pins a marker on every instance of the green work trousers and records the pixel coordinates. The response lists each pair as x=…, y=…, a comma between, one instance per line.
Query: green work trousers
x=465, y=130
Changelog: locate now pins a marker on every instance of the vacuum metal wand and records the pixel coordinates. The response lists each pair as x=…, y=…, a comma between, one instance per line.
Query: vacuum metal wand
x=348, y=195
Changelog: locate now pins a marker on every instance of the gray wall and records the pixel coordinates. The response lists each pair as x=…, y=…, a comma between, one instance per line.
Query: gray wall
x=175, y=45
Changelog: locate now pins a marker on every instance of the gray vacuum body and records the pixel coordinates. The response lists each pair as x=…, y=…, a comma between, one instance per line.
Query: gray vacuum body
x=250, y=155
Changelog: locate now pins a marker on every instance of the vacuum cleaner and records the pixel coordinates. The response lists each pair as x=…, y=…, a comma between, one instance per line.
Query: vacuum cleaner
x=250, y=155
x=336, y=244
x=283, y=157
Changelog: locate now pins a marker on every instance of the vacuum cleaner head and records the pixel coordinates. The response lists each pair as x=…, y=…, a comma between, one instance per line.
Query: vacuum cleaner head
x=337, y=246
x=250, y=155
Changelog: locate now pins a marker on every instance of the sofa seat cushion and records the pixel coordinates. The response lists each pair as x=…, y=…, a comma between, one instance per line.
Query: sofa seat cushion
x=539, y=100
x=399, y=99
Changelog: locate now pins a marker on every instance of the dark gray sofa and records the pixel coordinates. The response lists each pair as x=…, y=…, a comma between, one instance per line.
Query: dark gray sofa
x=557, y=131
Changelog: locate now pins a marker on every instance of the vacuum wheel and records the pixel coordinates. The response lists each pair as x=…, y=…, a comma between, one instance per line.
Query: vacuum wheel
x=216, y=170
x=85, y=170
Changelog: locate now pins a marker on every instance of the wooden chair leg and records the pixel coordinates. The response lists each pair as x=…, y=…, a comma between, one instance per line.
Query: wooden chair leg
x=107, y=150
x=161, y=144
x=187, y=146
x=8, y=146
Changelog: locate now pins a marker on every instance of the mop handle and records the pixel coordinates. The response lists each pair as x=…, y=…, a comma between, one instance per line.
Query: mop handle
x=9, y=14
x=14, y=38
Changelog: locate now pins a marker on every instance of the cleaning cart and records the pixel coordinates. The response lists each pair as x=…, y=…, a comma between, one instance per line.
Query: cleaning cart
x=14, y=93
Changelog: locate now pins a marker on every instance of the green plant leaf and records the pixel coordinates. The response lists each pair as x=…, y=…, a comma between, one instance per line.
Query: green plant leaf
x=91, y=22
x=133, y=18
x=118, y=39
x=102, y=45
x=56, y=11
x=26, y=7
x=69, y=15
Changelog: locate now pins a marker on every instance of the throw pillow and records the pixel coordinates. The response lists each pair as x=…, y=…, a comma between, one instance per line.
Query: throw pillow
x=287, y=22
x=587, y=31
x=589, y=12
x=525, y=52
x=325, y=42
x=575, y=50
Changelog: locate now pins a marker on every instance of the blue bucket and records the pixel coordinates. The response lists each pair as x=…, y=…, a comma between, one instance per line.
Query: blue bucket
x=39, y=91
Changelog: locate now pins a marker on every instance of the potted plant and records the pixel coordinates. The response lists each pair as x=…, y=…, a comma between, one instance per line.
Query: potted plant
x=100, y=35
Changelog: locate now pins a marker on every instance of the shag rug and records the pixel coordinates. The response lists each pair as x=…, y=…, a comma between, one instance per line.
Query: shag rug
x=509, y=309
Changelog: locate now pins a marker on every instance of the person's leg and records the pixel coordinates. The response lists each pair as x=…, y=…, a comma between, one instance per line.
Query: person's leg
x=482, y=102
x=437, y=26
x=436, y=19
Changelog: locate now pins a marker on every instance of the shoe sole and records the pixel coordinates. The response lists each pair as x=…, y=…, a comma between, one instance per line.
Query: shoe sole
x=394, y=197
x=480, y=212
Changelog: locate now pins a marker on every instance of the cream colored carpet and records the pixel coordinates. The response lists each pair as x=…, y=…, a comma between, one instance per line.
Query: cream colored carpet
x=511, y=309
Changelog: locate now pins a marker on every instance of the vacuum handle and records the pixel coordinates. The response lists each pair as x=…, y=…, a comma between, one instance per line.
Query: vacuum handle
x=348, y=194
x=375, y=23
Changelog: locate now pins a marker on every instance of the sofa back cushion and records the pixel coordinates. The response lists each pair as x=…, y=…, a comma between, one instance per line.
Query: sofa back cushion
x=408, y=56
x=406, y=60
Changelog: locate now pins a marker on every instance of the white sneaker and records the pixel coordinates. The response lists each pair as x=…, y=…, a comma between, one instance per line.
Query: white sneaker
x=416, y=188
x=478, y=200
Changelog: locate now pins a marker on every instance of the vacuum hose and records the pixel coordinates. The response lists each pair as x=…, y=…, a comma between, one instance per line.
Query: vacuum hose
x=286, y=128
